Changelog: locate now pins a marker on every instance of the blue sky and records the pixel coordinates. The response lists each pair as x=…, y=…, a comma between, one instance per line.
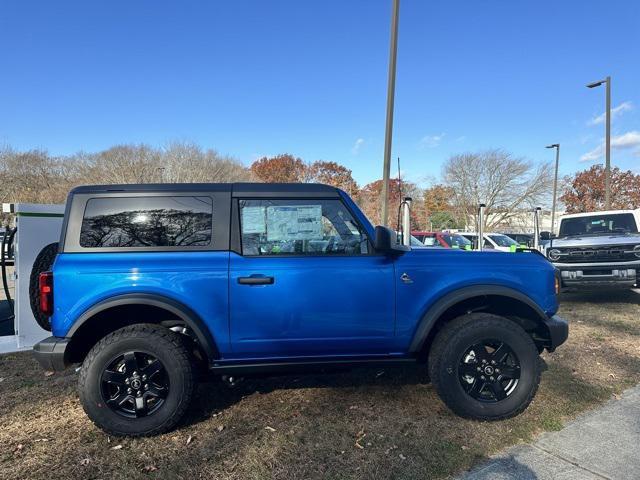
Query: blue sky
x=255, y=77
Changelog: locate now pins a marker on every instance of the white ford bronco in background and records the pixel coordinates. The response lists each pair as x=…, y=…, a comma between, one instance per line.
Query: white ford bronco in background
x=597, y=249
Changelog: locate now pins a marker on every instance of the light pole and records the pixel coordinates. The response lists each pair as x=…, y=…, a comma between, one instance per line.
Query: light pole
x=607, y=168
x=391, y=87
x=555, y=185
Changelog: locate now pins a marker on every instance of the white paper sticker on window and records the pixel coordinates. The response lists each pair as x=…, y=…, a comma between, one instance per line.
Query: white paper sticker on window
x=253, y=220
x=294, y=223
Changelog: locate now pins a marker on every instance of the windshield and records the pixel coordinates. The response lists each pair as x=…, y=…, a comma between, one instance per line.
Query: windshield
x=455, y=241
x=598, y=225
x=503, y=240
x=415, y=242
x=430, y=241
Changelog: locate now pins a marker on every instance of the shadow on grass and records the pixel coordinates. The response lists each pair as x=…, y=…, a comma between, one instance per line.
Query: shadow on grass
x=602, y=296
x=632, y=326
x=214, y=396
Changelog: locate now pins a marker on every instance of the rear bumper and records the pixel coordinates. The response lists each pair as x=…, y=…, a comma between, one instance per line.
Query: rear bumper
x=51, y=353
x=558, y=331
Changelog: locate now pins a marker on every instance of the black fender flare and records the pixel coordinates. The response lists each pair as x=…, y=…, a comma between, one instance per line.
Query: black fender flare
x=436, y=310
x=181, y=311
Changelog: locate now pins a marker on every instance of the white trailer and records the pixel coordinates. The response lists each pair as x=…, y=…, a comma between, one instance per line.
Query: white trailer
x=37, y=226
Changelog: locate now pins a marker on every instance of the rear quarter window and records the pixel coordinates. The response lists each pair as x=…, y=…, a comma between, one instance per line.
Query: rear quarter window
x=154, y=221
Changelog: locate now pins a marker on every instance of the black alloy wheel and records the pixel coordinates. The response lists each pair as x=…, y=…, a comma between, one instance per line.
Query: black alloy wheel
x=484, y=366
x=135, y=384
x=489, y=371
x=137, y=381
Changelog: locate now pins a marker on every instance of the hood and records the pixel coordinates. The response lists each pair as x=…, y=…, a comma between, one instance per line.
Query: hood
x=589, y=240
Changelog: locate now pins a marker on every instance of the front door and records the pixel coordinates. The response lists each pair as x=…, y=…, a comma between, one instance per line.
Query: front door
x=307, y=283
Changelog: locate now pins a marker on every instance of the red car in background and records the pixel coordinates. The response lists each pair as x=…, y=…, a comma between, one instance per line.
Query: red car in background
x=443, y=239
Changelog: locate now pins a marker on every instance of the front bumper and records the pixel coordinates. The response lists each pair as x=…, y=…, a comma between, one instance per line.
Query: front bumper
x=558, y=331
x=596, y=276
x=51, y=353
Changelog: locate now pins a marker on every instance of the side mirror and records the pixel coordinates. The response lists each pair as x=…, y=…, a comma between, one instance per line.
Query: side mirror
x=545, y=235
x=386, y=241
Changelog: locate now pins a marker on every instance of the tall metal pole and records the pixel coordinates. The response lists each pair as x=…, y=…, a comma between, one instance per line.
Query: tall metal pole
x=555, y=185
x=607, y=168
x=391, y=86
x=555, y=189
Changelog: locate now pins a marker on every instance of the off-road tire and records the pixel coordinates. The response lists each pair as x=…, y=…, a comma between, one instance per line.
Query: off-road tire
x=450, y=345
x=43, y=263
x=166, y=346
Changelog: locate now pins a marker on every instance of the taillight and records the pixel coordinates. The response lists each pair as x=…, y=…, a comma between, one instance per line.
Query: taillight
x=46, y=293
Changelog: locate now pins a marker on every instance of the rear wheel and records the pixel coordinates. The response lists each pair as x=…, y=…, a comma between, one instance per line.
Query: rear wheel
x=137, y=381
x=485, y=367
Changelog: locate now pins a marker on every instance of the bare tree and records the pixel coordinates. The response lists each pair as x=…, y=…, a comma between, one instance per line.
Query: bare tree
x=507, y=185
x=35, y=176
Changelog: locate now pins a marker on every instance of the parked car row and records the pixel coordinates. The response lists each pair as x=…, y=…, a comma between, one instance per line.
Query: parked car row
x=469, y=240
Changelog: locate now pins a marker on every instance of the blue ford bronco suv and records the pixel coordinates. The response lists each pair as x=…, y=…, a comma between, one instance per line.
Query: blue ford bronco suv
x=151, y=285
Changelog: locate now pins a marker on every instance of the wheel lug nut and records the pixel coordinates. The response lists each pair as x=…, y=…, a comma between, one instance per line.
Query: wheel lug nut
x=481, y=377
x=129, y=391
x=139, y=393
x=126, y=380
x=146, y=387
x=491, y=378
x=493, y=362
x=144, y=378
x=497, y=370
x=479, y=369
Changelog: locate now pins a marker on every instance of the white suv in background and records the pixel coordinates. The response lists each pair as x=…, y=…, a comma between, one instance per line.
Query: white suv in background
x=492, y=241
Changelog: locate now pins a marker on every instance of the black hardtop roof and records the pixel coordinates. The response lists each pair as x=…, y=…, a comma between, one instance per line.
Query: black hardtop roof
x=237, y=189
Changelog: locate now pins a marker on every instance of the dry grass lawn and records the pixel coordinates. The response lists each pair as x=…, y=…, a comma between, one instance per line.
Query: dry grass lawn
x=368, y=423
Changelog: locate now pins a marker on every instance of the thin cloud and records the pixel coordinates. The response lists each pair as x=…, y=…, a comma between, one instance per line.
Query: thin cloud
x=431, y=141
x=620, y=142
x=357, y=146
x=615, y=112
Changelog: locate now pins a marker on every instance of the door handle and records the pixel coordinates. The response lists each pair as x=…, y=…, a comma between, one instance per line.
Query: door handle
x=255, y=280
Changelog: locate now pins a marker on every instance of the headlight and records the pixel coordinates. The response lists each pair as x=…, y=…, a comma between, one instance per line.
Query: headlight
x=636, y=251
x=554, y=254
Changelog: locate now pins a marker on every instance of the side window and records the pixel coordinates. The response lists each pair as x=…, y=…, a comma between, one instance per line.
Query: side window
x=147, y=222
x=300, y=227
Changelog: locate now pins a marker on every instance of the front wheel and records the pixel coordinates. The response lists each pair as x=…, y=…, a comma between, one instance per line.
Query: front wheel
x=485, y=367
x=137, y=381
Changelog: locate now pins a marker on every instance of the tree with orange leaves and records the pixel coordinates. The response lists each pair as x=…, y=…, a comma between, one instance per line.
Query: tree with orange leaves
x=585, y=191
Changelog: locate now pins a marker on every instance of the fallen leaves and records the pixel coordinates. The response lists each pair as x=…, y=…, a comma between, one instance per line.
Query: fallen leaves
x=271, y=429
x=189, y=439
x=117, y=447
x=359, y=437
x=85, y=461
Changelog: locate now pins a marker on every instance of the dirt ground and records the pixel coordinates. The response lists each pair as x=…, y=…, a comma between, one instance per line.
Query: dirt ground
x=368, y=423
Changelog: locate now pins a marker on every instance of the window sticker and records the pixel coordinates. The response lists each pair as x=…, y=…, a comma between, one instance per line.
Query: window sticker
x=253, y=220
x=294, y=223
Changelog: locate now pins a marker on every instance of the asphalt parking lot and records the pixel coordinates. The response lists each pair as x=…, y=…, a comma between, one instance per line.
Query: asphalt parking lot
x=367, y=423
